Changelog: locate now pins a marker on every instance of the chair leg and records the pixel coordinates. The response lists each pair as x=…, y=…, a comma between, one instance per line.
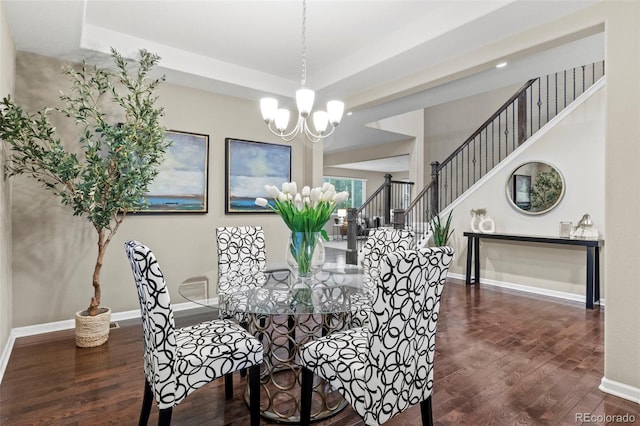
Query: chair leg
x=146, y=404
x=228, y=386
x=165, y=416
x=254, y=394
x=426, y=411
x=292, y=336
x=306, y=386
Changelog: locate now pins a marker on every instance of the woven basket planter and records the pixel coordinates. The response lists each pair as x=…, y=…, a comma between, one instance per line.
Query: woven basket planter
x=92, y=331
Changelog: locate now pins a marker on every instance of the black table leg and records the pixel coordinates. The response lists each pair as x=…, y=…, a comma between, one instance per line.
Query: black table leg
x=590, y=278
x=476, y=250
x=596, y=272
x=469, y=255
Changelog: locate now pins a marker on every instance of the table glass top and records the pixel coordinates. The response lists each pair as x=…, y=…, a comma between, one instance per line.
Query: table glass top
x=275, y=291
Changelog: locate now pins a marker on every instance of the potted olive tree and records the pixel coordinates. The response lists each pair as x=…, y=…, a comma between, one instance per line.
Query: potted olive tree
x=102, y=172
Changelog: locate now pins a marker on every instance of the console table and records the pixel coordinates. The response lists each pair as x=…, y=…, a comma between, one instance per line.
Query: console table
x=592, y=248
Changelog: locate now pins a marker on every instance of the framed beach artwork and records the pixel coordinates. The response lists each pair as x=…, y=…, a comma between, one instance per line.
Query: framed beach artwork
x=249, y=167
x=181, y=183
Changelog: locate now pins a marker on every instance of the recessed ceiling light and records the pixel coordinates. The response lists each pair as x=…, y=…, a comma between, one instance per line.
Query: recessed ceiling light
x=501, y=65
x=349, y=113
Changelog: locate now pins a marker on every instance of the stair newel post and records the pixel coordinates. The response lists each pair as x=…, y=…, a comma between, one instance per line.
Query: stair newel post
x=399, y=219
x=387, y=199
x=435, y=196
x=522, y=117
x=352, y=234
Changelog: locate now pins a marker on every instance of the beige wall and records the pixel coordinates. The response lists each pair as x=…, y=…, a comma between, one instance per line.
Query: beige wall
x=54, y=252
x=622, y=194
x=369, y=153
x=7, y=78
x=545, y=267
x=447, y=126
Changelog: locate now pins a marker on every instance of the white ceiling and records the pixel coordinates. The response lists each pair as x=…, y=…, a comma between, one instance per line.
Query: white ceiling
x=356, y=49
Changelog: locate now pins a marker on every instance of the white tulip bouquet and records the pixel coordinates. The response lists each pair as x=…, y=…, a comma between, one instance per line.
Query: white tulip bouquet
x=305, y=214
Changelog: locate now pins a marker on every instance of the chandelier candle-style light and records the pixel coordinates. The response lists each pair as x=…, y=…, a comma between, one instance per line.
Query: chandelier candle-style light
x=277, y=119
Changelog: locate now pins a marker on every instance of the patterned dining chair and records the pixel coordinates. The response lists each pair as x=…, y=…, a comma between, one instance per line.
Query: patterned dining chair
x=380, y=242
x=387, y=366
x=241, y=247
x=179, y=361
x=242, y=261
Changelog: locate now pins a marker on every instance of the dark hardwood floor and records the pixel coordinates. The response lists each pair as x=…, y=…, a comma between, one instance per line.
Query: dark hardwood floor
x=503, y=358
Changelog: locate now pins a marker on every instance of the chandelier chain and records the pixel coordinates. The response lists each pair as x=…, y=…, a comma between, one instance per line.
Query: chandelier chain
x=303, y=83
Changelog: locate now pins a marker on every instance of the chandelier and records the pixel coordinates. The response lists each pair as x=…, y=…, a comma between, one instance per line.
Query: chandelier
x=324, y=122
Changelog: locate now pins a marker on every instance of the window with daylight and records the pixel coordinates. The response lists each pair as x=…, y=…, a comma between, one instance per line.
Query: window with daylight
x=356, y=188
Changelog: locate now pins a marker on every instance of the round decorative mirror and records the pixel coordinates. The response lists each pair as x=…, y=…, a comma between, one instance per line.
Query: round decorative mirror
x=535, y=188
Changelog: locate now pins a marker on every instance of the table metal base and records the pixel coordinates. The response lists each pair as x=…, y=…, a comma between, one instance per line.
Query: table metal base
x=282, y=337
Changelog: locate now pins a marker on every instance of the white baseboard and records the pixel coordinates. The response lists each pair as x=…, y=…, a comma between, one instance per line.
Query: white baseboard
x=528, y=289
x=6, y=353
x=32, y=330
x=621, y=390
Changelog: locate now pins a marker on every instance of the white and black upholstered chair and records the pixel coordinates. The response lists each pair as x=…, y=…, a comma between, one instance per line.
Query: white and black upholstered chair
x=179, y=361
x=242, y=261
x=241, y=247
x=380, y=242
x=387, y=366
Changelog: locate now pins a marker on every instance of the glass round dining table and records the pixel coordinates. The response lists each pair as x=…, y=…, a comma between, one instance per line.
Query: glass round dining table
x=284, y=314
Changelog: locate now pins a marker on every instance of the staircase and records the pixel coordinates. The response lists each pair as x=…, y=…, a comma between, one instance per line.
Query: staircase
x=537, y=102
x=384, y=207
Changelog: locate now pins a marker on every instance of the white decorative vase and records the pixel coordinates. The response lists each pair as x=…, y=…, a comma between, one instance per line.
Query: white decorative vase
x=482, y=224
x=475, y=222
x=92, y=331
x=487, y=225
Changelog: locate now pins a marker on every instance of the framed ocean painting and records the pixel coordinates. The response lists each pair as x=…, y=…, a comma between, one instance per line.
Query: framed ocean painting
x=182, y=180
x=249, y=167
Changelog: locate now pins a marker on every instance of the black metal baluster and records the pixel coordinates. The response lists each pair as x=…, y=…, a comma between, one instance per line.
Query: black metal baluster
x=468, y=164
x=499, y=138
x=486, y=150
x=530, y=96
x=479, y=159
x=556, y=97
x=493, y=144
x=460, y=178
x=564, y=93
x=513, y=128
x=506, y=132
x=450, y=187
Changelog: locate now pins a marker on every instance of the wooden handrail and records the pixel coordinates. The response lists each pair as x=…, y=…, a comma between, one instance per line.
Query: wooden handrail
x=420, y=195
x=371, y=198
x=487, y=123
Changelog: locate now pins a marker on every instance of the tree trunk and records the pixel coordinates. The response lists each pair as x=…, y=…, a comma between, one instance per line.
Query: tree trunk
x=93, y=308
